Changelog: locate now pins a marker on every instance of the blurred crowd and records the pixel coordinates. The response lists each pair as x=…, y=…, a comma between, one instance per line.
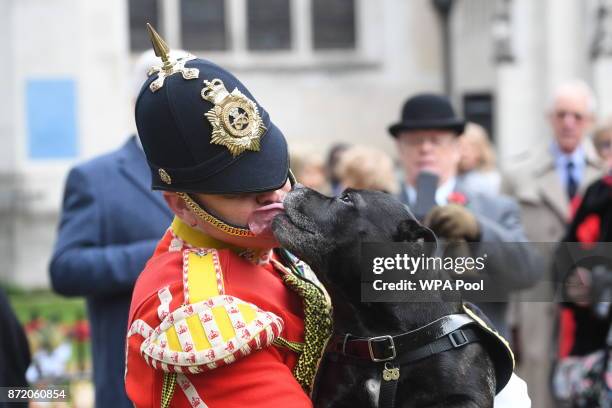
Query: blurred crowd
x=564, y=191
x=446, y=171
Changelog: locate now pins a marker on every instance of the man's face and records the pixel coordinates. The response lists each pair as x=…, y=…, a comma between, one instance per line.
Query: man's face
x=436, y=151
x=234, y=209
x=570, y=119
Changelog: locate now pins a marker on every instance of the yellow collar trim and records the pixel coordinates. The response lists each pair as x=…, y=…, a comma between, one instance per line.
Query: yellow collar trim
x=198, y=239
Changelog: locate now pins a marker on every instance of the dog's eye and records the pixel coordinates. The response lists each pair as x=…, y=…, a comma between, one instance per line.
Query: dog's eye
x=345, y=198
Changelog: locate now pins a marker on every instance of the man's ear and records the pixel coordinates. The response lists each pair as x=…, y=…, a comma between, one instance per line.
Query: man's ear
x=178, y=207
x=411, y=231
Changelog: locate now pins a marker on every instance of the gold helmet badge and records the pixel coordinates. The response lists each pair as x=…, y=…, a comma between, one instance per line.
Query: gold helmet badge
x=236, y=123
x=235, y=119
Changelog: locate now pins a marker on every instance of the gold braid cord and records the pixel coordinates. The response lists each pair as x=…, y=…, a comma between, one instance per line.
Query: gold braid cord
x=317, y=329
x=294, y=346
x=214, y=221
x=168, y=389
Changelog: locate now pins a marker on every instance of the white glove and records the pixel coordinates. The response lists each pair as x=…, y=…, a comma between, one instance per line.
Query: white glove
x=514, y=394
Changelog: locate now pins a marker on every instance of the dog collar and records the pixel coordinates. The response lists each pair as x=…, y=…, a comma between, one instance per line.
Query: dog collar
x=446, y=333
x=443, y=334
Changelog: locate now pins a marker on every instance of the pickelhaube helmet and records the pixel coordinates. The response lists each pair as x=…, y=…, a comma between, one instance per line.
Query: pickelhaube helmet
x=203, y=131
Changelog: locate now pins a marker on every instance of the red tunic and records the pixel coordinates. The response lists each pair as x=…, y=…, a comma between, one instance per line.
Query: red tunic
x=211, y=316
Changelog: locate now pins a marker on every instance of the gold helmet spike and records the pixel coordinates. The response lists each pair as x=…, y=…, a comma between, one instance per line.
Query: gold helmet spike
x=168, y=67
x=160, y=47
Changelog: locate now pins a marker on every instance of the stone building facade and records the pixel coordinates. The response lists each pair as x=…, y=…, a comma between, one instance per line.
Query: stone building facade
x=327, y=71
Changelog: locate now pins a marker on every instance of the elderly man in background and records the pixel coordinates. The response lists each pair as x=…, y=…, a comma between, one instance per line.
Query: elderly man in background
x=110, y=224
x=544, y=183
x=427, y=139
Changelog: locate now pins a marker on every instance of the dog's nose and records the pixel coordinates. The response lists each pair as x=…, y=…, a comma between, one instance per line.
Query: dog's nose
x=297, y=186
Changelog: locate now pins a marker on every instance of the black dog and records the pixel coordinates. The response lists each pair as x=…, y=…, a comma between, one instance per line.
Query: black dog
x=326, y=233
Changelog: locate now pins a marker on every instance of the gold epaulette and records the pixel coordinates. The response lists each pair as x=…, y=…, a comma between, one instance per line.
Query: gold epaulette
x=211, y=328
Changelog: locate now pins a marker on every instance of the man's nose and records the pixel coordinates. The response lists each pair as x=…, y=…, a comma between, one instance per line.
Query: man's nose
x=270, y=197
x=426, y=145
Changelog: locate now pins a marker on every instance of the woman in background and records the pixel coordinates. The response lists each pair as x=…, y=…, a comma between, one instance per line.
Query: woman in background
x=477, y=168
x=309, y=170
x=366, y=168
x=602, y=139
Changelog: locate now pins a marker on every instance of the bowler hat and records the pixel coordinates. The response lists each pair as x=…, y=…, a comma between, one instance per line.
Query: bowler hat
x=428, y=111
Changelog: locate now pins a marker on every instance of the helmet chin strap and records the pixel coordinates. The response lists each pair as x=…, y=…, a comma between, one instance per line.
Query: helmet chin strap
x=214, y=221
x=217, y=222
x=292, y=179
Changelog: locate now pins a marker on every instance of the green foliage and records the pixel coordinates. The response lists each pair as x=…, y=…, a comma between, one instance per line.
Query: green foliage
x=45, y=304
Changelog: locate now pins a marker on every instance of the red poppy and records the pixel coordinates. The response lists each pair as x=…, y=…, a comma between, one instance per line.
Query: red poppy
x=588, y=231
x=457, y=198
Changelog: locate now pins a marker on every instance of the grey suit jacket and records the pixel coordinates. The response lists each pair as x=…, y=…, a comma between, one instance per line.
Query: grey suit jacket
x=513, y=264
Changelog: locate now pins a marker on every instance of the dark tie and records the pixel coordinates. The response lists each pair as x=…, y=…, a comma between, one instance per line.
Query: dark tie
x=572, y=184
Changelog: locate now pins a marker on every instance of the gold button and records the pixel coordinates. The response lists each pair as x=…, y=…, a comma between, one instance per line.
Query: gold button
x=165, y=177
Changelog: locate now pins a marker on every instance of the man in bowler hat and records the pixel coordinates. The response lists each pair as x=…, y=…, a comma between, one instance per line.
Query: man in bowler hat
x=427, y=142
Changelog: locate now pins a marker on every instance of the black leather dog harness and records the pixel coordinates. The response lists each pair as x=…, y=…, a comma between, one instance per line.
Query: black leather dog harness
x=446, y=333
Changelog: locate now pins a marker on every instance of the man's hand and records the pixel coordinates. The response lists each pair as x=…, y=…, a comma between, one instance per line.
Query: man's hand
x=578, y=286
x=453, y=222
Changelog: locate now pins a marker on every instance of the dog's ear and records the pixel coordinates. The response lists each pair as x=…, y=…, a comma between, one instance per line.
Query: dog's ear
x=411, y=231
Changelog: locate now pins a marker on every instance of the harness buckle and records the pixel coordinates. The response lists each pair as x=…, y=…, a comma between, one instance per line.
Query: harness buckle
x=391, y=347
x=458, y=338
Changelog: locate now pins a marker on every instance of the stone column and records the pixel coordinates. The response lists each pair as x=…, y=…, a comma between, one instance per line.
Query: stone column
x=8, y=152
x=171, y=16
x=601, y=56
x=565, y=42
x=517, y=114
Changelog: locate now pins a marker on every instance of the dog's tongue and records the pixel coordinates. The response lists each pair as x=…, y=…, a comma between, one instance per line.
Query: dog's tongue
x=260, y=221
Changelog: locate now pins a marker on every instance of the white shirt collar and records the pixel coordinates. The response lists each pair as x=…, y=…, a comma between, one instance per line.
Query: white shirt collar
x=578, y=156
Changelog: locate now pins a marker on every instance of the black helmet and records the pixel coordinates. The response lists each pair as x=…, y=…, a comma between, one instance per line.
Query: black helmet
x=203, y=132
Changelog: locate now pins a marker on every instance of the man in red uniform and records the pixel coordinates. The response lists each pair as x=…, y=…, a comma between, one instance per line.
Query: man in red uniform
x=217, y=318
